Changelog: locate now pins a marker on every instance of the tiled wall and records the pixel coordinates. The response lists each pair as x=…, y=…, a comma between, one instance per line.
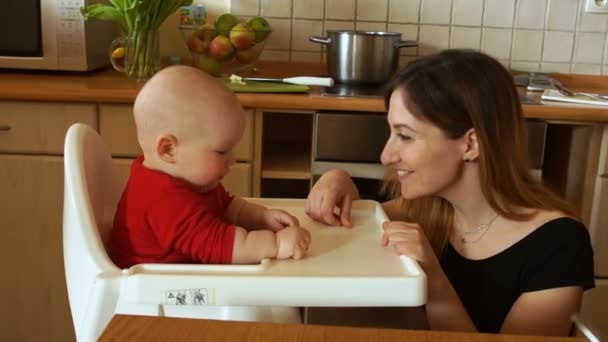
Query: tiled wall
x=545, y=35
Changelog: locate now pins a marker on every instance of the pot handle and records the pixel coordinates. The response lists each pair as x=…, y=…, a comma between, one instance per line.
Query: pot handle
x=320, y=40
x=406, y=43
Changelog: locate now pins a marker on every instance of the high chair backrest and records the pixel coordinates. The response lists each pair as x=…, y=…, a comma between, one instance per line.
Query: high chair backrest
x=91, y=193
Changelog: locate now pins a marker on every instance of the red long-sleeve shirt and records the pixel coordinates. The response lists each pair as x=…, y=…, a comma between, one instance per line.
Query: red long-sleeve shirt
x=161, y=219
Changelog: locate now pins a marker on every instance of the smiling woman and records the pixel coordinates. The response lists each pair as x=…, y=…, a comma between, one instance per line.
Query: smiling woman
x=459, y=160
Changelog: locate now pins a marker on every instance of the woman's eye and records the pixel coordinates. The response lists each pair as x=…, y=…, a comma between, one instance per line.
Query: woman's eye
x=221, y=152
x=403, y=137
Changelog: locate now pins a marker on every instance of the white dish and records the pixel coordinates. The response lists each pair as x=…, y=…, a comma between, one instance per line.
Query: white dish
x=551, y=96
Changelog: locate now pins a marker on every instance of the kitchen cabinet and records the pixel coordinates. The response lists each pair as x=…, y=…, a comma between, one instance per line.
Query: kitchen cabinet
x=595, y=300
x=274, y=160
x=31, y=178
x=35, y=305
x=282, y=157
x=599, y=213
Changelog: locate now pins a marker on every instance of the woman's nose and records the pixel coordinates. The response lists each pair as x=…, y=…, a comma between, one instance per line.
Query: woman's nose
x=388, y=156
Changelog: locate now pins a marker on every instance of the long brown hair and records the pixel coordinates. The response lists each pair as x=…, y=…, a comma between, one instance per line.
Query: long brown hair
x=457, y=90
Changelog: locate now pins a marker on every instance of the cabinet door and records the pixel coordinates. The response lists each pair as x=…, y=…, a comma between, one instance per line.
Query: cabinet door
x=40, y=127
x=238, y=180
x=35, y=305
x=117, y=128
x=123, y=169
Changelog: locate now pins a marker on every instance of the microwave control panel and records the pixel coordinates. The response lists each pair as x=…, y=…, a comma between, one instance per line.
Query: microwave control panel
x=70, y=28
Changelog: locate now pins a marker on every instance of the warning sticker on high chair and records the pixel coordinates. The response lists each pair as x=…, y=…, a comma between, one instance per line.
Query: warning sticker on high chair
x=189, y=297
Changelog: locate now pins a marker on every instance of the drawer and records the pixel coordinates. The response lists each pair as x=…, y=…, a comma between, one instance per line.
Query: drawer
x=349, y=137
x=117, y=128
x=238, y=180
x=40, y=127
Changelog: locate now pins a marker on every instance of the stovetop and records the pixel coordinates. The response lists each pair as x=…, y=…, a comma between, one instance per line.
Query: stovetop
x=348, y=90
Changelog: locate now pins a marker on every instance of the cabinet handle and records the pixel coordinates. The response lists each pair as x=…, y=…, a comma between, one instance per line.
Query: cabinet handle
x=5, y=128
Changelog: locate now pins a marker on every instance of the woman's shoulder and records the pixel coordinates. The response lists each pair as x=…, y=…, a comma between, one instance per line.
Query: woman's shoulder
x=558, y=227
x=557, y=254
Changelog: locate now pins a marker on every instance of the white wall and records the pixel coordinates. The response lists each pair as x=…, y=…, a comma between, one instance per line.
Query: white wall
x=535, y=35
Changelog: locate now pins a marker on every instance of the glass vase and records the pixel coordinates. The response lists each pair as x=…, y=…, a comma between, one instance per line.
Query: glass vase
x=137, y=55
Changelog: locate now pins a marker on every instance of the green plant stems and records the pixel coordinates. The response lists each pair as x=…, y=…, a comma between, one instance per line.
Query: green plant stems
x=143, y=54
x=140, y=21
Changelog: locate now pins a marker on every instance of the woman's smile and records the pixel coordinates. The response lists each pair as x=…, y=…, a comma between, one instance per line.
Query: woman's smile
x=402, y=174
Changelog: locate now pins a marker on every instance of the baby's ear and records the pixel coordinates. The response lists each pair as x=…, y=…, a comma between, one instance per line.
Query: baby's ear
x=165, y=147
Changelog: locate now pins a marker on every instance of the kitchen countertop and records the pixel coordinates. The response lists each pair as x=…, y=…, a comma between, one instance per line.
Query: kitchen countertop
x=146, y=328
x=109, y=86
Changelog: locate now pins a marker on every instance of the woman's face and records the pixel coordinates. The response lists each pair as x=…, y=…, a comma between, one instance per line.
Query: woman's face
x=426, y=161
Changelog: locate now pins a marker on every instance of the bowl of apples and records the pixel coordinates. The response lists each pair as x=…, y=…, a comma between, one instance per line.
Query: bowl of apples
x=227, y=46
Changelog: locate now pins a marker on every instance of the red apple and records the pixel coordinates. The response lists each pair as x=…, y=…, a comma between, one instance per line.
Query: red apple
x=195, y=44
x=242, y=36
x=207, y=32
x=220, y=48
x=247, y=56
x=199, y=40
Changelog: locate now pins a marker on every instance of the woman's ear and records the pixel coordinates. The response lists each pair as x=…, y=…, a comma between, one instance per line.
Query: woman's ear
x=166, y=146
x=471, y=145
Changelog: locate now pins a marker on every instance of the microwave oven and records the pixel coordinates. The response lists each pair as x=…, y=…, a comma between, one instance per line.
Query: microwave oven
x=53, y=35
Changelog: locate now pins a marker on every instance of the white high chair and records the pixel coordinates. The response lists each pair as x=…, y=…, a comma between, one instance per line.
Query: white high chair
x=97, y=289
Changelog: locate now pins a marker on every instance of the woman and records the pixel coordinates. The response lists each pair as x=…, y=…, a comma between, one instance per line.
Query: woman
x=501, y=252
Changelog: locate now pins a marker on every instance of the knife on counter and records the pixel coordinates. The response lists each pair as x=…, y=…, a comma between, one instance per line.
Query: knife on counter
x=301, y=80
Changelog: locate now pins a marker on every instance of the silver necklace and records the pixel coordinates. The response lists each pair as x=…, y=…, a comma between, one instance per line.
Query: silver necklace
x=481, y=228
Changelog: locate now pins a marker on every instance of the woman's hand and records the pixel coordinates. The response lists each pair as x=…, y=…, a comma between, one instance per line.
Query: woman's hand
x=276, y=219
x=409, y=239
x=334, y=189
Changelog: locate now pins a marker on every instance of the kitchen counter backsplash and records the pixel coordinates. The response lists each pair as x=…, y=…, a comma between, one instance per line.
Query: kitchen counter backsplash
x=532, y=35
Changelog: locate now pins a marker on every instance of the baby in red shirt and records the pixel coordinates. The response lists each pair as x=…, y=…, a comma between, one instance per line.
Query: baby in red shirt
x=174, y=208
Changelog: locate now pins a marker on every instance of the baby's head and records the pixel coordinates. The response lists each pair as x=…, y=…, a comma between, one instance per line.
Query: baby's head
x=187, y=124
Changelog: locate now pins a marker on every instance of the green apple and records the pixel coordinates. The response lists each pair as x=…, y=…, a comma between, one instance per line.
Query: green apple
x=225, y=23
x=208, y=64
x=261, y=27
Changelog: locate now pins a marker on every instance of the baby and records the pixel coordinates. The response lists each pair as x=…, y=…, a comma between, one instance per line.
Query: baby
x=174, y=208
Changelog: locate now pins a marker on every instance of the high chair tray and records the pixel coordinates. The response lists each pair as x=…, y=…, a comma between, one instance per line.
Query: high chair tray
x=343, y=267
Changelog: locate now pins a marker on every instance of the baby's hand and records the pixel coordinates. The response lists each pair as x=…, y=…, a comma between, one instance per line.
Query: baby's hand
x=276, y=219
x=292, y=242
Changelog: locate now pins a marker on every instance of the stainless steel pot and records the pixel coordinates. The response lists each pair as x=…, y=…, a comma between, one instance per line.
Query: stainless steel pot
x=357, y=57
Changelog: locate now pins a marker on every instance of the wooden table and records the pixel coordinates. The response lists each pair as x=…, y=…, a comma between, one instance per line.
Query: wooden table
x=145, y=328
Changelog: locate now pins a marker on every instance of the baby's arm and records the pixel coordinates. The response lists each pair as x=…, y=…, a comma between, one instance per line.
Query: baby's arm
x=253, y=246
x=264, y=233
x=253, y=216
